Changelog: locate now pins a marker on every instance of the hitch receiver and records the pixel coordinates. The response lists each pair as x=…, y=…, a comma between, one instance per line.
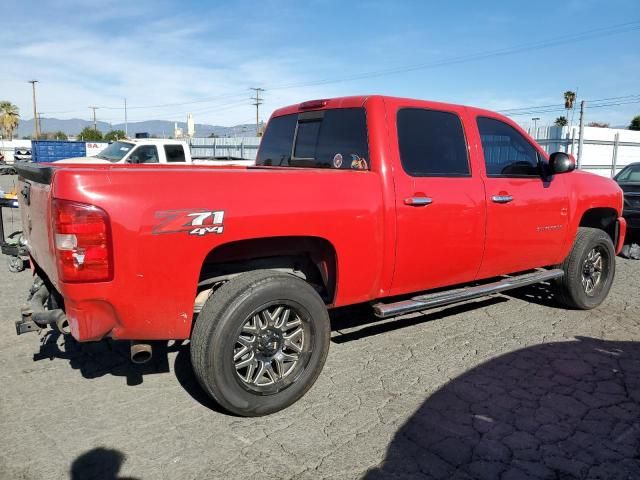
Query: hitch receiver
x=26, y=323
x=34, y=315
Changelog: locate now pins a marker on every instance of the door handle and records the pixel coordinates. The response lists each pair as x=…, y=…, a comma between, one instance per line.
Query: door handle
x=418, y=201
x=501, y=198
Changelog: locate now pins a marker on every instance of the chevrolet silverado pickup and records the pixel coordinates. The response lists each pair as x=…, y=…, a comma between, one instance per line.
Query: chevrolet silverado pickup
x=400, y=204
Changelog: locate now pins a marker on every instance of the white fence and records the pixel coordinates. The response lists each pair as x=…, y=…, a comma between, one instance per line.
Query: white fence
x=605, y=150
x=239, y=147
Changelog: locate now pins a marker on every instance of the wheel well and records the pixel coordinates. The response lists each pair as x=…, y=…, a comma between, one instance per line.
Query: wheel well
x=602, y=218
x=311, y=258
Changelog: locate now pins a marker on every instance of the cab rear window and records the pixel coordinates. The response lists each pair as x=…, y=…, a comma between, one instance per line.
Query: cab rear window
x=334, y=138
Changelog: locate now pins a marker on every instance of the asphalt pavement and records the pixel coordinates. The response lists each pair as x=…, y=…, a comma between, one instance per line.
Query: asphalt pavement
x=509, y=387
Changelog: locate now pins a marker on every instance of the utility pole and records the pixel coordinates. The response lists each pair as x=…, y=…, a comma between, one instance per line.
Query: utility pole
x=95, y=124
x=581, y=140
x=36, y=129
x=258, y=102
x=126, y=126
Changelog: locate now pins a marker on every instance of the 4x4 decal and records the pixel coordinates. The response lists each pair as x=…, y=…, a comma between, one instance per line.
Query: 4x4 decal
x=194, y=222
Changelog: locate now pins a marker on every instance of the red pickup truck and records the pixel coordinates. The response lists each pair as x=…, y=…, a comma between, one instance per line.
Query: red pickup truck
x=403, y=204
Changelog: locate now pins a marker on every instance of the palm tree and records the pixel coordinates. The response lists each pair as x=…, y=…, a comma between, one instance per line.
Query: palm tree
x=569, y=99
x=9, y=118
x=561, y=122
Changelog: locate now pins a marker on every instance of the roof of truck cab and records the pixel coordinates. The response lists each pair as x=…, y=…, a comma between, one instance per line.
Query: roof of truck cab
x=360, y=100
x=157, y=141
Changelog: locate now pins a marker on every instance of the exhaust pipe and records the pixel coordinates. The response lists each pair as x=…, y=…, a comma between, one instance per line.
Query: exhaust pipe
x=140, y=352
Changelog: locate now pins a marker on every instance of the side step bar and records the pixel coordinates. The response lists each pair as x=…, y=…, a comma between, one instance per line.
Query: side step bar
x=433, y=300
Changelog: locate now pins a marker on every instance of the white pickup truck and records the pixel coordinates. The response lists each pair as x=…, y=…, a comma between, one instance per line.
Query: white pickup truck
x=152, y=151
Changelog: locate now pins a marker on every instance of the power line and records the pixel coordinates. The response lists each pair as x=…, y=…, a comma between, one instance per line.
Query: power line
x=580, y=36
x=506, y=110
x=61, y=111
x=570, y=38
x=597, y=103
x=589, y=34
x=176, y=104
x=533, y=107
x=557, y=110
x=175, y=116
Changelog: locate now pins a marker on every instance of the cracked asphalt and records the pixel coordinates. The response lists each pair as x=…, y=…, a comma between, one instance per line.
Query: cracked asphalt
x=509, y=387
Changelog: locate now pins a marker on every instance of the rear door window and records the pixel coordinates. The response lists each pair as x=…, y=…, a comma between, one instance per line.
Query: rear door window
x=432, y=143
x=334, y=138
x=275, y=147
x=174, y=153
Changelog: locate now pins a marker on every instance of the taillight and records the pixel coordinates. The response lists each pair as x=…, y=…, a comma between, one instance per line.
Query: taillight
x=82, y=239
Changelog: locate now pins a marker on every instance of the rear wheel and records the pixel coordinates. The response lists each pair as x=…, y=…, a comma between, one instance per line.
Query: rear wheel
x=260, y=342
x=588, y=270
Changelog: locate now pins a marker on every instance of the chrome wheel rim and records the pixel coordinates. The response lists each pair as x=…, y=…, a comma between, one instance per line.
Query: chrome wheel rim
x=593, y=269
x=271, y=349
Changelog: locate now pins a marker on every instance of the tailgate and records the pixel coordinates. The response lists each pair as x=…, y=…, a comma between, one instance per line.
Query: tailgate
x=34, y=192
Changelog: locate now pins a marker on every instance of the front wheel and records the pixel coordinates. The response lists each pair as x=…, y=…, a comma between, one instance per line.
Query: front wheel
x=588, y=270
x=260, y=342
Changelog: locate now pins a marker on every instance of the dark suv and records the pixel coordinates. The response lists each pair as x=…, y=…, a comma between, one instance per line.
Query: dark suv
x=629, y=181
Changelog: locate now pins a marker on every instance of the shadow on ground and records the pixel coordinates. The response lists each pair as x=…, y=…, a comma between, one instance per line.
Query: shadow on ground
x=552, y=411
x=358, y=322
x=98, y=464
x=106, y=357
x=109, y=357
x=538, y=293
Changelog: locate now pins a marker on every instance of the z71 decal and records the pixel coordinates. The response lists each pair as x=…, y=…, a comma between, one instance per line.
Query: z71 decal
x=194, y=222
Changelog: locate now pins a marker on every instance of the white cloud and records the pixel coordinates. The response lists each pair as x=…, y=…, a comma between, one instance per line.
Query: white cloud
x=96, y=52
x=151, y=60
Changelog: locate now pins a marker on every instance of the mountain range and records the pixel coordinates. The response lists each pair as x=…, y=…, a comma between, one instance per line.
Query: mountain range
x=156, y=128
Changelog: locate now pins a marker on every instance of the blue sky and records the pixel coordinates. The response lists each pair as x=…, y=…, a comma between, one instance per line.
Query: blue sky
x=87, y=52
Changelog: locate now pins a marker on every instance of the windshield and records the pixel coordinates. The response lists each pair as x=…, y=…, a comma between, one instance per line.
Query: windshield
x=629, y=174
x=116, y=151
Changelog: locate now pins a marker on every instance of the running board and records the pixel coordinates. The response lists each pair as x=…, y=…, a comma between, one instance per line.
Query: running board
x=433, y=300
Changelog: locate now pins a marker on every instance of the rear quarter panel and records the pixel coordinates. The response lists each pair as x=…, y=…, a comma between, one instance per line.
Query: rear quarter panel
x=155, y=275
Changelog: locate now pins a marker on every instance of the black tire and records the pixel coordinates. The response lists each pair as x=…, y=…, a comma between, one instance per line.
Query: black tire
x=224, y=318
x=571, y=290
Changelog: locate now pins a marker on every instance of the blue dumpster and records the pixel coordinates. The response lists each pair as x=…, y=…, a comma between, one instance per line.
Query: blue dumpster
x=52, y=150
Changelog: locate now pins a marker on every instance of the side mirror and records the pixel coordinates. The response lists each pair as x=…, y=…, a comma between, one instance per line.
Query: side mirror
x=560, y=162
